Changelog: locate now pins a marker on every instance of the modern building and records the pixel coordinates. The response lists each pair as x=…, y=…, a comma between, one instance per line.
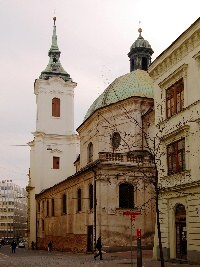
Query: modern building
x=113, y=170
x=13, y=211
x=55, y=145
x=176, y=75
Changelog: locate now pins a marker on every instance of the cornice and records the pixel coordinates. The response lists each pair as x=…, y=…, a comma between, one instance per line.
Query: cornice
x=177, y=55
x=184, y=131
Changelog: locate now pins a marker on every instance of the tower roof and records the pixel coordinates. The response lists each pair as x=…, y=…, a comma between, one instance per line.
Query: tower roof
x=54, y=67
x=140, y=41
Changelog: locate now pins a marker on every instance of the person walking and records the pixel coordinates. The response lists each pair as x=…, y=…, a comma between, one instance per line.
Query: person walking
x=50, y=246
x=13, y=246
x=99, y=247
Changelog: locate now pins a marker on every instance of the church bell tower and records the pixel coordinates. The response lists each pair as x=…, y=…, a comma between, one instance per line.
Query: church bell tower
x=55, y=146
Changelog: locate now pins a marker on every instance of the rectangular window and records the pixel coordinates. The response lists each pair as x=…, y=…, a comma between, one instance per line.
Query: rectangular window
x=175, y=98
x=56, y=107
x=56, y=162
x=176, y=156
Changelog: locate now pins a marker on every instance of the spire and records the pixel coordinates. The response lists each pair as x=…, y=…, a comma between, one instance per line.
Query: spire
x=54, y=67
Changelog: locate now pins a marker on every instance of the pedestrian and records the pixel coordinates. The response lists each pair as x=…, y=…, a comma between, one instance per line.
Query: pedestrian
x=50, y=245
x=32, y=245
x=13, y=246
x=99, y=247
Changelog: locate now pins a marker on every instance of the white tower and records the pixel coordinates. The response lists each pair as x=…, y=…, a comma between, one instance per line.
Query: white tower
x=55, y=146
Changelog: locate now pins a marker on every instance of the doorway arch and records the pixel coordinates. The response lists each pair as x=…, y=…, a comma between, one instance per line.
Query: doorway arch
x=181, y=232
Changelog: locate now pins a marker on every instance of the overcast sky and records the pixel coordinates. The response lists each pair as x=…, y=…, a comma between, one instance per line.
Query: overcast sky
x=94, y=37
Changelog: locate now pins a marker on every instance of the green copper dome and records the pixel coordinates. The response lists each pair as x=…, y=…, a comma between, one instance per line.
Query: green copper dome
x=135, y=83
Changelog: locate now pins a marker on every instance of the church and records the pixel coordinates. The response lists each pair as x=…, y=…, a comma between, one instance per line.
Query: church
x=146, y=124
x=82, y=185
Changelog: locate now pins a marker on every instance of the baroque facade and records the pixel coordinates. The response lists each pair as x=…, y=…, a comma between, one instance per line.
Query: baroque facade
x=176, y=75
x=113, y=169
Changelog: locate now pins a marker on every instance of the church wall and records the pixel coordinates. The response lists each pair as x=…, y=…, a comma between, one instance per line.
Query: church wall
x=111, y=224
x=121, y=117
x=45, y=91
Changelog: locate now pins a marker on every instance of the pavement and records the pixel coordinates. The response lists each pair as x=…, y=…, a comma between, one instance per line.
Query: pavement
x=41, y=258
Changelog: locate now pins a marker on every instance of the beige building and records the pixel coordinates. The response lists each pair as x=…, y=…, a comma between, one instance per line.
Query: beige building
x=176, y=75
x=113, y=169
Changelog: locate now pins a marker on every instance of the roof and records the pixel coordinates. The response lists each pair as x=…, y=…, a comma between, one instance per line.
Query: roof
x=135, y=83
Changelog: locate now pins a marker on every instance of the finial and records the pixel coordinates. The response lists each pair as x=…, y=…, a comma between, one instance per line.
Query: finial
x=54, y=19
x=140, y=29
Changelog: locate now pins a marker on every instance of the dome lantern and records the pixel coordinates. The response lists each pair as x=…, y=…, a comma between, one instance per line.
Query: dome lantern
x=140, y=53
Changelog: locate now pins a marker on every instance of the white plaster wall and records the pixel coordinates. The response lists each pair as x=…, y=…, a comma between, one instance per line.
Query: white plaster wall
x=45, y=91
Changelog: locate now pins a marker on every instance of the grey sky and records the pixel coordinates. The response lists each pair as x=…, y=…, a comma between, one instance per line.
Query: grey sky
x=94, y=37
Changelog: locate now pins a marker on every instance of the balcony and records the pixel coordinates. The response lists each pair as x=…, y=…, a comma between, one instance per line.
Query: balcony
x=137, y=157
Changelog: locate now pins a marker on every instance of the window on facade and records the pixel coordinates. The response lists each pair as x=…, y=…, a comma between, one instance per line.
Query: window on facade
x=42, y=225
x=176, y=156
x=47, y=208
x=38, y=207
x=56, y=162
x=79, y=199
x=64, y=204
x=52, y=207
x=91, y=196
x=90, y=152
x=144, y=63
x=175, y=98
x=56, y=107
x=126, y=196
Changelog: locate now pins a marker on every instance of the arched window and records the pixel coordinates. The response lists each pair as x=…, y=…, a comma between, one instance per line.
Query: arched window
x=126, y=196
x=64, y=204
x=144, y=63
x=79, y=199
x=90, y=152
x=91, y=196
x=52, y=207
x=47, y=208
x=56, y=107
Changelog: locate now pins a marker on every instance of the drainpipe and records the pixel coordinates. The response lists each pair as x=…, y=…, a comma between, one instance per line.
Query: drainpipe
x=95, y=207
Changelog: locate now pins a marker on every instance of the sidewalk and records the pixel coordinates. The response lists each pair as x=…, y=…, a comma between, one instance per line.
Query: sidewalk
x=121, y=259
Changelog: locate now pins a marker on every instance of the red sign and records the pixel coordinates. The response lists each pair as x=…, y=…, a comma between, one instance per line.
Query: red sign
x=131, y=213
x=138, y=233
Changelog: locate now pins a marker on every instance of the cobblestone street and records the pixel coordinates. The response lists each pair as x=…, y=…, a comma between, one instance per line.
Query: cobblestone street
x=37, y=258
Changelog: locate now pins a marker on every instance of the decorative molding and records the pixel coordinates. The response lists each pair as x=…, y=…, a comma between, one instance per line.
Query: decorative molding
x=176, y=134
x=177, y=55
x=56, y=150
x=179, y=73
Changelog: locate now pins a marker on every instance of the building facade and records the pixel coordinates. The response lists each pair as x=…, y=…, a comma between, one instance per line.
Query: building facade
x=113, y=170
x=176, y=75
x=55, y=145
x=13, y=211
